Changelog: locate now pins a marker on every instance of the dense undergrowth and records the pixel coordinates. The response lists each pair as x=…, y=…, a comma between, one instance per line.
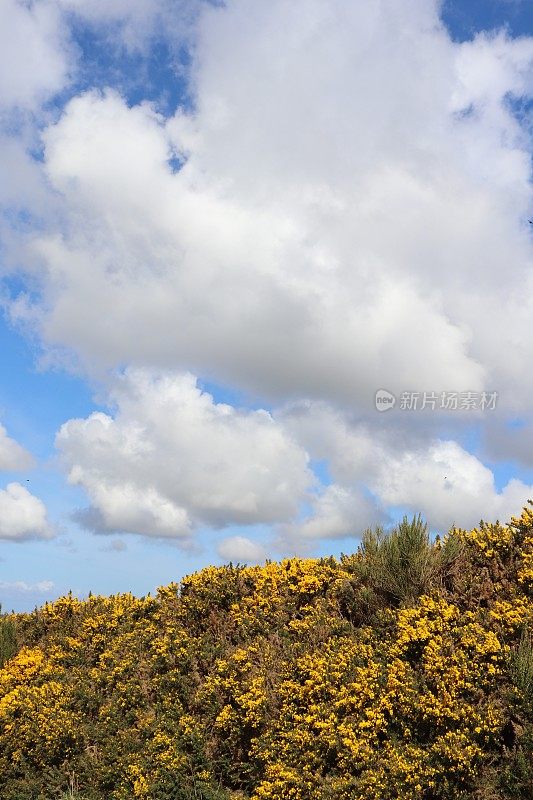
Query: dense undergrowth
x=402, y=671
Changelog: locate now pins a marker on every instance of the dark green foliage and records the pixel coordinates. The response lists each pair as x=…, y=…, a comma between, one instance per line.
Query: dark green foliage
x=515, y=779
x=8, y=639
x=175, y=787
x=522, y=668
x=398, y=566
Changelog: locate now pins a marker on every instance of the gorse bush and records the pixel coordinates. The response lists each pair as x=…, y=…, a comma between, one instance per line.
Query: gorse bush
x=401, y=672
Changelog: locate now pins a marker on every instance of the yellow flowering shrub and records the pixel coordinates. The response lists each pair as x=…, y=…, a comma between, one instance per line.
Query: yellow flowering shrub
x=308, y=679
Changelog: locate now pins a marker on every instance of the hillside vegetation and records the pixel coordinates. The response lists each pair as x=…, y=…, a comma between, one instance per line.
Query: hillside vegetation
x=402, y=671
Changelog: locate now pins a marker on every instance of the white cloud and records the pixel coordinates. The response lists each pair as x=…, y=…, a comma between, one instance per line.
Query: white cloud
x=12, y=455
x=22, y=185
x=37, y=62
x=337, y=512
x=41, y=587
x=415, y=470
x=491, y=67
x=449, y=485
x=171, y=459
x=34, y=53
x=322, y=241
x=240, y=549
x=351, y=214
x=22, y=515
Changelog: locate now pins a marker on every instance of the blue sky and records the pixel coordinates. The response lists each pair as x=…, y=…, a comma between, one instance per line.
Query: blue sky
x=223, y=228
x=464, y=20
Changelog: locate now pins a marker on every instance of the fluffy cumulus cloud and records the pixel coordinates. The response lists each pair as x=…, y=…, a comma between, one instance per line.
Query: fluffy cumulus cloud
x=241, y=550
x=449, y=485
x=423, y=473
x=323, y=236
x=22, y=515
x=341, y=207
x=12, y=455
x=171, y=459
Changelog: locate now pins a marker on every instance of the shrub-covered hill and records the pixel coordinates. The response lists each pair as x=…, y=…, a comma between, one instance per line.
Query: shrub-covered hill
x=403, y=671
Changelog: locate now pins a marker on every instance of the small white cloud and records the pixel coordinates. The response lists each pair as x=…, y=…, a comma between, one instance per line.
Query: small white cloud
x=12, y=455
x=240, y=549
x=338, y=512
x=42, y=587
x=22, y=515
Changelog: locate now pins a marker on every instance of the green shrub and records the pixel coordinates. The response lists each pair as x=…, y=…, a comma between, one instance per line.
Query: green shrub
x=522, y=668
x=8, y=639
x=399, y=565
